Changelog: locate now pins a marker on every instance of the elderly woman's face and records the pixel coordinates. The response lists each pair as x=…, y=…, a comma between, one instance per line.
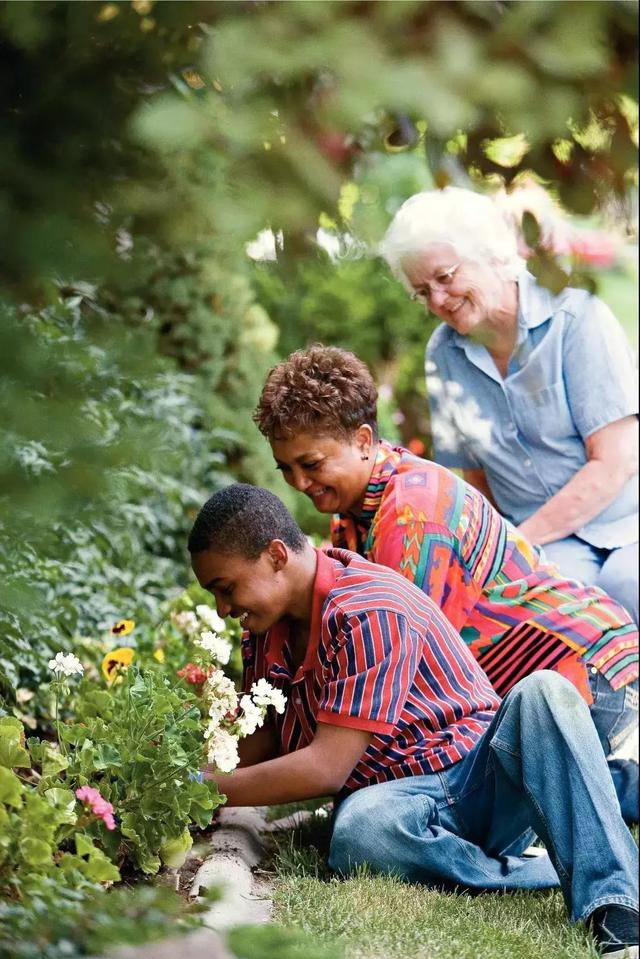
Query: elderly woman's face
x=331, y=471
x=462, y=294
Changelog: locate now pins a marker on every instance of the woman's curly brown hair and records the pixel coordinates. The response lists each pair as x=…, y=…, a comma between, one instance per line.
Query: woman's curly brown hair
x=323, y=389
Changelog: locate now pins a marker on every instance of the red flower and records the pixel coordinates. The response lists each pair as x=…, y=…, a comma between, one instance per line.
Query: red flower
x=416, y=446
x=194, y=674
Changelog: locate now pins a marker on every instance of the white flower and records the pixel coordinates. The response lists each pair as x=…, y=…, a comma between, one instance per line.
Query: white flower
x=186, y=622
x=221, y=695
x=222, y=750
x=218, y=648
x=67, y=664
x=209, y=616
x=264, y=245
x=252, y=716
x=264, y=694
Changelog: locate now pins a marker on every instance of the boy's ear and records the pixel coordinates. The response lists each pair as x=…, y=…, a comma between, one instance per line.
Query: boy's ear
x=278, y=554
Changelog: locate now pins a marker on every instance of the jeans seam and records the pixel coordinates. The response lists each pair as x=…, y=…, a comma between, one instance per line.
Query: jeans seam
x=558, y=866
x=462, y=843
x=505, y=747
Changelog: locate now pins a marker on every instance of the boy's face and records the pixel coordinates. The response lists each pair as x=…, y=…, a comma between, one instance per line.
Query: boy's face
x=250, y=590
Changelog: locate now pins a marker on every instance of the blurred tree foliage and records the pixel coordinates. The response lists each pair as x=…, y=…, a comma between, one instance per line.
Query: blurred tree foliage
x=143, y=145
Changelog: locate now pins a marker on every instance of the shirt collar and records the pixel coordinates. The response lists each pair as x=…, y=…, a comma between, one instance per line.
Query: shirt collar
x=535, y=302
x=326, y=575
x=277, y=637
x=387, y=461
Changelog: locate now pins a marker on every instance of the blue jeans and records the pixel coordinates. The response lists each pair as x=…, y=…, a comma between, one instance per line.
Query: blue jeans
x=615, y=713
x=613, y=570
x=538, y=769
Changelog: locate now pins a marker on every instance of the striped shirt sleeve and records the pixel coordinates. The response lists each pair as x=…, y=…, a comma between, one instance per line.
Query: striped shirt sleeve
x=369, y=675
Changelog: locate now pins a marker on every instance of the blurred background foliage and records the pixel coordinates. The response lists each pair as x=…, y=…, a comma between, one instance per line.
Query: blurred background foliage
x=144, y=145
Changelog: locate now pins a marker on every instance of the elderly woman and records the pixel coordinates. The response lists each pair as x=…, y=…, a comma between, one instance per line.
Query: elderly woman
x=533, y=396
x=318, y=411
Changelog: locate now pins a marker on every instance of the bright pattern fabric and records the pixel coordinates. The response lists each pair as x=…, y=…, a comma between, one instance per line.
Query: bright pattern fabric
x=516, y=612
x=381, y=658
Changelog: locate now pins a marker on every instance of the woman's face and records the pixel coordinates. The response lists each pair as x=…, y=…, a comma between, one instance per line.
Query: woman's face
x=463, y=294
x=330, y=471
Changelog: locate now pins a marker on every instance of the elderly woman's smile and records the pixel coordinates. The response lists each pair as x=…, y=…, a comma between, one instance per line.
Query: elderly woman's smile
x=461, y=293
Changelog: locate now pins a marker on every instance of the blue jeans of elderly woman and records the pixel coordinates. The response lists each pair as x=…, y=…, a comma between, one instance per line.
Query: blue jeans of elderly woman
x=615, y=713
x=537, y=770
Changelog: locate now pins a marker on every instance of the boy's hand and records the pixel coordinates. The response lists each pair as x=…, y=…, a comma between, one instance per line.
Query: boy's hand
x=320, y=769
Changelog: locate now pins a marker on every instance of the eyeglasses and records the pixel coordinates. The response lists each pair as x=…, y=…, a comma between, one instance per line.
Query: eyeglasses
x=439, y=282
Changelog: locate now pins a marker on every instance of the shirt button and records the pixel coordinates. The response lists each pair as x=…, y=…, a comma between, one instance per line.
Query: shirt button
x=298, y=701
x=593, y=670
x=527, y=462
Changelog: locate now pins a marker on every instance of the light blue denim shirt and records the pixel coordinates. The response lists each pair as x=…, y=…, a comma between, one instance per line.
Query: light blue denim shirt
x=572, y=373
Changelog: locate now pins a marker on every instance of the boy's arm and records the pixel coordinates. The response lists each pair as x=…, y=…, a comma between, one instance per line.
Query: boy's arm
x=320, y=769
x=259, y=746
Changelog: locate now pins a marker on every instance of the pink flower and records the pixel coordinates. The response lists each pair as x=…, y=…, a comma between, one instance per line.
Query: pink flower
x=586, y=246
x=595, y=248
x=98, y=805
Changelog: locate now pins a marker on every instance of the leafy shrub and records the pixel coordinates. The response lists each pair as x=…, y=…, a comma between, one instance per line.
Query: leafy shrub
x=59, y=922
x=141, y=744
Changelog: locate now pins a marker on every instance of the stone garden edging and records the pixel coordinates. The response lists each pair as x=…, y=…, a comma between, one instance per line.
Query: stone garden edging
x=231, y=856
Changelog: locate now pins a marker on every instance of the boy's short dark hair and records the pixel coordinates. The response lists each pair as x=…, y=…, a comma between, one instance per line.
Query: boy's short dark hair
x=243, y=520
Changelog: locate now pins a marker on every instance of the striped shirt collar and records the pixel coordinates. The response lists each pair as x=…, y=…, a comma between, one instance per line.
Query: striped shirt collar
x=276, y=651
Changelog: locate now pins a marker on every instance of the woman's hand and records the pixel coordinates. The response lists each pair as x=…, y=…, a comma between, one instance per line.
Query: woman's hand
x=612, y=460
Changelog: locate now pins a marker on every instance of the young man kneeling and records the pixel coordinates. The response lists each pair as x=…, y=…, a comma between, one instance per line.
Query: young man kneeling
x=435, y=779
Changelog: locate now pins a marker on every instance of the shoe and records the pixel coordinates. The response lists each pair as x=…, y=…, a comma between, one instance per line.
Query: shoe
x=615, y=930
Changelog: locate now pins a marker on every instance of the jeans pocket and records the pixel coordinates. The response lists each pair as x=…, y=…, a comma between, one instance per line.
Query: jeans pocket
x=626, y=720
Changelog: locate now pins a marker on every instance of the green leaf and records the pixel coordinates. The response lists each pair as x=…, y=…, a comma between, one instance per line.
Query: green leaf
x=100, y=869
x=84, y=845
x=34, y=851
x=530, y=229
x=12, y=723
x=11, y=788
x=12, y=754
x=37, y=817
x=64, y=803
x=173, y=852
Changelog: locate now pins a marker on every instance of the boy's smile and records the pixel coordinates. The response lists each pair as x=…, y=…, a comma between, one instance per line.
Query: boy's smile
x=249, y=590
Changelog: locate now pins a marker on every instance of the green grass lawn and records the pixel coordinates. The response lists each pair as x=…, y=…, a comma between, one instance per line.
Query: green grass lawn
x=374, y=917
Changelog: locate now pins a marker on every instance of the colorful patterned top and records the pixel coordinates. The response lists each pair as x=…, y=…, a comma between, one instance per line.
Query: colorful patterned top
x=382, y=658
x=516, y=612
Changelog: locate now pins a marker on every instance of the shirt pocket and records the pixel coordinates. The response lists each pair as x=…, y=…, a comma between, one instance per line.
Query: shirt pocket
x=543, y=416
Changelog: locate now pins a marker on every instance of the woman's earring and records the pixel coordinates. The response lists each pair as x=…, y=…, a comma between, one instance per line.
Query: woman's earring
x=365, y=456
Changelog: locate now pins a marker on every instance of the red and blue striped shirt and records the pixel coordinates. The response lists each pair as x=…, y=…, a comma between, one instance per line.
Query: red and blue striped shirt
x=381, y=657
